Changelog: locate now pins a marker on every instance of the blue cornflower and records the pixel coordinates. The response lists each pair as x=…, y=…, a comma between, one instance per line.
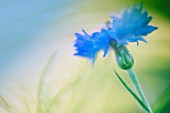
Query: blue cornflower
x=88, y=46
x=131, y=27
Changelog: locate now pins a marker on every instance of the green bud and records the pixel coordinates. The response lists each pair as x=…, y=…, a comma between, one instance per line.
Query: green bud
x=123, y=57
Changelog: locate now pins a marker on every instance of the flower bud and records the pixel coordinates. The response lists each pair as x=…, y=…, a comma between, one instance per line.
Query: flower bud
x=123, y=57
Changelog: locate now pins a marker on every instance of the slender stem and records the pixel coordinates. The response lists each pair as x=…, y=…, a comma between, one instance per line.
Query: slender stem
x=138, y=88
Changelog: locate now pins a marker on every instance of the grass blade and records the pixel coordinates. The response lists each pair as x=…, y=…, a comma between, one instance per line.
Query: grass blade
x=42, y=100
x=4, y=104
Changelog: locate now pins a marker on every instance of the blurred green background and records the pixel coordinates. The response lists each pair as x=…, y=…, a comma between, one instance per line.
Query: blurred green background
x=33, y=82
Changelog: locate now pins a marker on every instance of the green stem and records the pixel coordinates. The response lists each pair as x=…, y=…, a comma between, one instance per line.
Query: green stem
x=138, y=88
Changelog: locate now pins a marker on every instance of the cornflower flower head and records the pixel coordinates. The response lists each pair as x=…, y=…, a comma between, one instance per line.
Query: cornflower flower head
x=130, y=28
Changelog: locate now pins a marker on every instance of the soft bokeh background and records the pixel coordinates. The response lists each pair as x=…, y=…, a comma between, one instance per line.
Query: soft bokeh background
x=38, y=72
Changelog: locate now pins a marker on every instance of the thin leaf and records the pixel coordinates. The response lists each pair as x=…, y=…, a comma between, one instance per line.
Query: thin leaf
x=42, y=100
x=131, y=92
x=4, y=104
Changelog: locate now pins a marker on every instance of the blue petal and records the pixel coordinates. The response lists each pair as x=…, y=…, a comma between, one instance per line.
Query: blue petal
x=116, y=23
x=141, y=39
x=113, y=35
x=88, y=46
x=105, y=49
x=131, y=38
x=85, y=32
x=133, y=24
x=150, y=29
x=84, y=45
x=119, y=43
